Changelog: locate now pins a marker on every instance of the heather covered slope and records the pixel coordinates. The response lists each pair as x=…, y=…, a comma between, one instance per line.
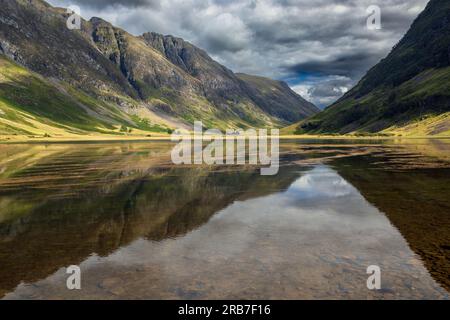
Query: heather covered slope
x=150, y=82
x=408, y=92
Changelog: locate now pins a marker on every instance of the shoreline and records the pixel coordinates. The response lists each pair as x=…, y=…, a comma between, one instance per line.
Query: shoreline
x=109, y=139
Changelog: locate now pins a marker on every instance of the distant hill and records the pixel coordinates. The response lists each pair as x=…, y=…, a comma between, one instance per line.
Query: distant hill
x=101, y=79
x=408, y=92
x=275, y=97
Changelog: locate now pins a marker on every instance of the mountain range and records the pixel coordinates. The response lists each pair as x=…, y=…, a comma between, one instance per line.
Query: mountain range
x=407, y=93
x=102, y=80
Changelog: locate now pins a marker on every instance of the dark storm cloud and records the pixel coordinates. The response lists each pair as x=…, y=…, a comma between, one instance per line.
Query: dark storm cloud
x=325, y=39
x=352, y=65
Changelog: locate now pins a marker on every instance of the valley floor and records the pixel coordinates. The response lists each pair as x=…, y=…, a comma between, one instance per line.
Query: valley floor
x=5, y=139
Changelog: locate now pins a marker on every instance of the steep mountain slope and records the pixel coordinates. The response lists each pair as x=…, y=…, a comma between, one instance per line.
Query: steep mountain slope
x=408, y=92
x=148, y=82
x=33, y=106
x=275, y=97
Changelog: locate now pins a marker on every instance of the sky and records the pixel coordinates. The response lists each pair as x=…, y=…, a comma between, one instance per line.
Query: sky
x=321, y=48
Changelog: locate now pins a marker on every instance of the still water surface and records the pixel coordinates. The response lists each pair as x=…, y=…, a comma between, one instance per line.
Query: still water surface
x=142, y=228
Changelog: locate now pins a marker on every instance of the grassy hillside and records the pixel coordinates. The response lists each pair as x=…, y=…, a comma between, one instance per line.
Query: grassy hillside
x=418, y=107
x=406, y=93
x=35, y=107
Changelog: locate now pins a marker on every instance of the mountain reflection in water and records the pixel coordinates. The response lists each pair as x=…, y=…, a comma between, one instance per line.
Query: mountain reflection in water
x=142, y=228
